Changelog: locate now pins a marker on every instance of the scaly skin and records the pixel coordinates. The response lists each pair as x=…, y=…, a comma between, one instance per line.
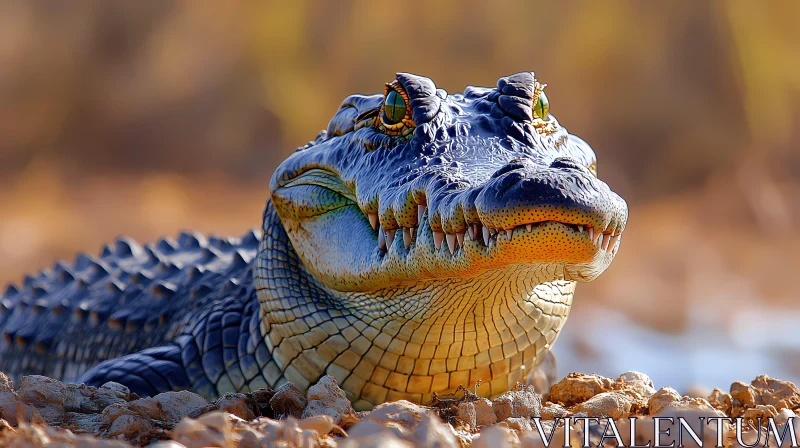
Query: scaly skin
x=407, y=250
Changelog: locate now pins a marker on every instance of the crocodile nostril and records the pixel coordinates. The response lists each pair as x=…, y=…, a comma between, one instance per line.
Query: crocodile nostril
x=513, y=164
x=566, y=162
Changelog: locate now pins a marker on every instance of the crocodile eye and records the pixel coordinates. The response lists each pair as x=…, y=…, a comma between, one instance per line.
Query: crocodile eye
x=542, y=106
x=394, y=107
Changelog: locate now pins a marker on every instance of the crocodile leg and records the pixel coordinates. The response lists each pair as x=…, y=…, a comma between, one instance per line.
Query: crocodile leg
x=146, y=373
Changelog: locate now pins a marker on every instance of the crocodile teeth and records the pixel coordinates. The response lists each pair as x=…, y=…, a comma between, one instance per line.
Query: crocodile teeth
x=390, y=237
x=408, y=232
x=420, y=211
x=460, y=239
x=614, y=240
x=606, y=240
x=486, y=236
x=474, y=231
x=381, y=239
x=509, y=234
x=373, y=220
x=529, y=227
x=437, y=239
x=590, y=230
x=580, y=229
x=451, y=242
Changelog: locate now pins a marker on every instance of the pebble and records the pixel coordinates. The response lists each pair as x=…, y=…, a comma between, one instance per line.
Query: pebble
x=775, y=392
x=404, y=413
x=578, y=387
x=615, y=405
x=496, y=437
x=371, y=434
x=484, y=412
x=521, y=401
x=45, y=394
x=234, y=419
x=288, y=400
x=466, y=413
x=237, y=404
x=327, y=398
x=638, y=382
x=662, y=398
x=92, y=400
x=177, y=405
x=519, y=425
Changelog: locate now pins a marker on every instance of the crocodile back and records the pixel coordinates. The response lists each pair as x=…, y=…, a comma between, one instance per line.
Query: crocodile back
x=66, y=319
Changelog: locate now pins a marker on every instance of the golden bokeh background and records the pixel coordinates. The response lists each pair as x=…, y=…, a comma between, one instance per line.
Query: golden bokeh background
x=144, y=118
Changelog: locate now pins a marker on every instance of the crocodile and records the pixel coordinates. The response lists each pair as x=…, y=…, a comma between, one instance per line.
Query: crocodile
x=422, y=242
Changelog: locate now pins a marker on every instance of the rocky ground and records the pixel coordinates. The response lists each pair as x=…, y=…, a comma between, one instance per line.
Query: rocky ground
x=44, y=412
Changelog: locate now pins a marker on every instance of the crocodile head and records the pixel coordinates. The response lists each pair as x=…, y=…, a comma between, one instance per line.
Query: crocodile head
x=417, y=185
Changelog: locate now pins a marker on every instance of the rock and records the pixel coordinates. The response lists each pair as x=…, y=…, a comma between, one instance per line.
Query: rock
x=464, y=437
x=579, y=387
x=371, y=434
x=433, y=432
x=553, y=411
x=699, y=405
x=322, y=424
x=129, y=426
x=131, y=421
x=83, y=423
x=521, y=401
x=261, y=398
x=134, y=420
x=720, y=400
x=615, y=405
x=91, y=400
x=760, y=411
x=288, y=400
x=5, y=383
x=638, y=382
x=288, y=432
x=147, y=407
x=662, y=398
x=519, y=425
x=774, y=392
x=745, y=395
x=36, y=436
x=106, y=411
x=484, y=413
x=326, y=398
x=496, y=437
x=11, y=409
x=119, y=390
x=177, y=405
x=784, y=415
x=45, y=394
x=404, y=412
x=209, y=430
x=466, y=413
x=237, y=404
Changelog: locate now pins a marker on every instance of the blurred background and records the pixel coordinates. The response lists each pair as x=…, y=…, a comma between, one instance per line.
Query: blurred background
x=144, y=118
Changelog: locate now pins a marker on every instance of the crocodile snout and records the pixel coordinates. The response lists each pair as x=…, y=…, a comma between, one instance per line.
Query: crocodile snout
x=524, y=193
